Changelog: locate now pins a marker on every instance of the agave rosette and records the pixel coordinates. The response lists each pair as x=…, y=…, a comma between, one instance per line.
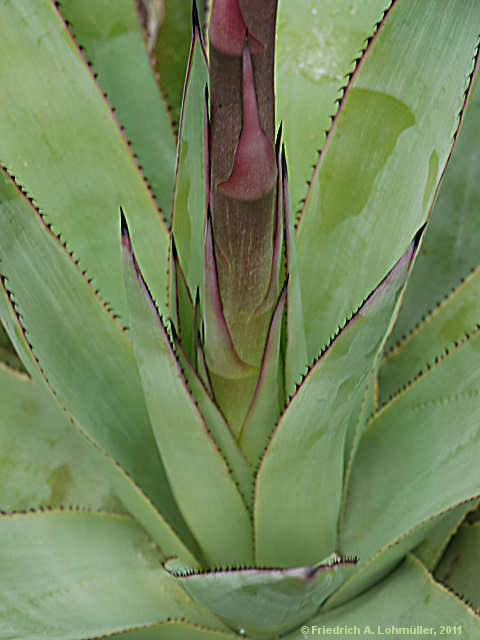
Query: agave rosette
x=224, y=364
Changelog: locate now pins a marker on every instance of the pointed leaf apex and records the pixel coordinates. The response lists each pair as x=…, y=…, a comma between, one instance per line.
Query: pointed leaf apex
x=418, y=236
x=195, y=18
x=278, y=140
x=174, y=251
x=284, y=163
x=174, y=333
x=254, y=167
x=124, y=226
x=125, y=234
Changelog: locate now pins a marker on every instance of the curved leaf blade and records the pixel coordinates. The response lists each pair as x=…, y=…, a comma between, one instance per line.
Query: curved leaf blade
x=423, y=468
x=409, y=598
x=264, y=602
x=316, y=44
x=451, y=243
x=367, y=194
x=61, y=139
x=200, y=479
x=431, y=549
x=308, y=441
x=171, y=52
x=459, y=566
x=98, y=572
x=43, y=461
x=113, y=43
x=64, y=348
x=457, y=314
x=219, y=429
x=189, y=194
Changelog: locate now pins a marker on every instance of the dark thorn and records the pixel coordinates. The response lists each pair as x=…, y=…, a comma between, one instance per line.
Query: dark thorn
x=123, y=224
x=174, y=251
x=418, y=235
x=174, y=332
x=279, y=139
x=195, y=19
x=284, y=163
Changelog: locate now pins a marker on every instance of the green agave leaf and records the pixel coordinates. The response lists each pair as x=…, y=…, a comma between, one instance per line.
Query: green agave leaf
x=266, y=601
x=474, y=516
x=296, y=359
x=458, y=568
x=182, y=309
x=97, y=573
x=110, y=33
x=316, y=44
x=218, y=427
x=67, y=330
x=408, y=599
x=361, y=410
x=431, y=549
x=189, y=196
x=447, y=323
x=423, y=468
x=367, y=193
x=308, y=441
x=171, y=52
x=42, y=459
x=200, y=479
x=266, y=403
x=451, y=244
x=60, y=138
x=7, y=352
x=15, y=335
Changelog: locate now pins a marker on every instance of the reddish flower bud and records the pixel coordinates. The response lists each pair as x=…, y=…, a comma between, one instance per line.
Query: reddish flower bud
x=227, y=29
x=254, y=167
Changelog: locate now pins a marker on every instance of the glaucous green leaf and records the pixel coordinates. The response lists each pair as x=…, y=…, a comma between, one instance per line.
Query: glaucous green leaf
x=308, y=441
x=451, y=244
x=43, y=460
x=189, y=193
x=113, y=44
x=241, y=471
x=408, y=599
x=71, y=340
x=315, y=47
x=264, y=602
x=376, y=176
x=59, y=138
x=171, y=52
x=411, y=462
x=296, y=359
x=7, y=351
x=430, y=550
x=201, y=480
x=78, y=574
x=182, y=310
x=457, y=314
x=459, y=567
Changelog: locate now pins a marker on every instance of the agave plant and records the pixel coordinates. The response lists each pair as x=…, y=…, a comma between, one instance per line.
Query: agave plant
x=210, y=427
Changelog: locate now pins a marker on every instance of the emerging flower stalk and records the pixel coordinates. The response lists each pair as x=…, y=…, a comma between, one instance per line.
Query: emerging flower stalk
x=242, y=179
